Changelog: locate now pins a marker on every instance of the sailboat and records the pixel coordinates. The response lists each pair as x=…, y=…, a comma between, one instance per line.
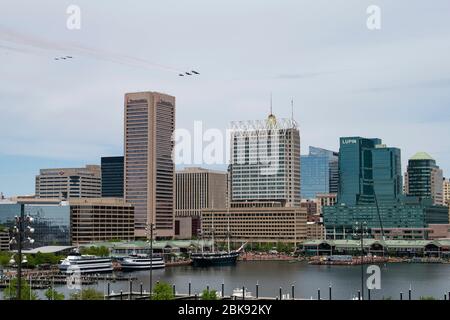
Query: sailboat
x=217, y=258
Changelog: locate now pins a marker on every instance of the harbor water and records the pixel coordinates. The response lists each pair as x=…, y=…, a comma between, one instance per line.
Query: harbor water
x=424, y=279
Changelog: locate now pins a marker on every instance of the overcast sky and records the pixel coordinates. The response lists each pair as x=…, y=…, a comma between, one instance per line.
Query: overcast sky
x=345, y=79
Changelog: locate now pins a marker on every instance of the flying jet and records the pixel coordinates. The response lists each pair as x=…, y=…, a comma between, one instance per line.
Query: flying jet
x=188, y=74
x=69, y=57
x=181, y=75
x=195, y=72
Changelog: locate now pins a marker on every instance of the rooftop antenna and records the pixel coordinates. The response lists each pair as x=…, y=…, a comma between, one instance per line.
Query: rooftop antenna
x=271, y=103
x=292, y=108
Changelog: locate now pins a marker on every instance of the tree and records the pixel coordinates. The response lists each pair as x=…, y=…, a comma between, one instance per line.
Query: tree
x=96, y=251
x=162, y=291
x=209, y=295
x=26, y=293
x=52, y=294
x=87, y=294
x=4, y=258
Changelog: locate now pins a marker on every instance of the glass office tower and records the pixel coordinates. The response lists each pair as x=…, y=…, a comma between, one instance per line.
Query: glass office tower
x=424, y=179
x=112, y=177
x=51, y=221
x=319, y=172
x=370, y=191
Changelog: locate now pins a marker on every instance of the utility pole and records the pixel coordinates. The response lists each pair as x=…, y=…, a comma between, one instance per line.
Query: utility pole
x=150, y=228
x=360, y=231
x=17, y=237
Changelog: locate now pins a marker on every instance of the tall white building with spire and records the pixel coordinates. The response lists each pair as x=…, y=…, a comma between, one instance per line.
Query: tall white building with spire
x=265, y=161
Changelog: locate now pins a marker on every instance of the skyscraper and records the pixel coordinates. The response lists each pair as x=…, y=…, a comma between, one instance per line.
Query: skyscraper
x=446, y=192
x=368, y=169
x=112, y=177
x=149, y=168
x=319, y=172
x=424, y=178
x=265, y=161
x=370, y=190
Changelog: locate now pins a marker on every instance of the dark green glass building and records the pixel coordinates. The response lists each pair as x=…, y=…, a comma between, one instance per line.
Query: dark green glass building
x=371, y=191
x=369, y=172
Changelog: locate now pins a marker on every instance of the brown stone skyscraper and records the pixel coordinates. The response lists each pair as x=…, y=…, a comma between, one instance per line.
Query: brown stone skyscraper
x=149, y=171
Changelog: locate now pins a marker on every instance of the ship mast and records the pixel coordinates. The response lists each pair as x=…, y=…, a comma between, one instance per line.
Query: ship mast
x=212, y=228
x=228, y=222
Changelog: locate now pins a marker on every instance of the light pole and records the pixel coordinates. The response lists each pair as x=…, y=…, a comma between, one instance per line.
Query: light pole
x=360, y=230
x=19, y=234
x=150, y=228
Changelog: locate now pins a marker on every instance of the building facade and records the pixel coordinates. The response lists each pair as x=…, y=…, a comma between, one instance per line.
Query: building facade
x=369, y=172
x=65, y=183
x=424, y=178
x=4, y=240
x=149, y=171
x=197, y=189
x=51, y=219
x=319, y=172
x=446, y=192
x=256, y=224
x=325, y=200
x=406, y=220
x=371, y=192
x=112, y=177
x=101, y=219
x=265, y=161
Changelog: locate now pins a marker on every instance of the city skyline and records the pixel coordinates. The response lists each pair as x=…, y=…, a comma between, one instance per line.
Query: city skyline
x=353, y=82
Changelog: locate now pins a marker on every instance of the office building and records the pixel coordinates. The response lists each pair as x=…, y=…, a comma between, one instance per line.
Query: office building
x=265, y=161
x=315, y=230
x=112, y=177
x=424, y=178
x=149, y=172
x=368, y=172
x=4, y=239
x=325, y=200
x=51, y=219
x=319, y=172
x=409, y=219
x=446, y=192
x=66, y=183
x=102, y=219
x=256, y=224
x=370, y=191
x=197, y=189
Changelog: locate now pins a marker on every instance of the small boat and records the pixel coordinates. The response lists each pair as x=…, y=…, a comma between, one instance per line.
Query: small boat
x=85, y=264
x=238, y=293
x=141, y=262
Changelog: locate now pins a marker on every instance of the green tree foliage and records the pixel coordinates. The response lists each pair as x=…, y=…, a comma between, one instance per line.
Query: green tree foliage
x=4, y=258
x=95, y=251
x=87, y=294
x=162, y=291
x=209, y=295
x=52, y=294
x=26, y=293
x=43, y=258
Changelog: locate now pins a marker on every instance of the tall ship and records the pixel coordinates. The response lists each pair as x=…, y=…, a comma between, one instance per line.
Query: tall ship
x=216, y=258
x=85, y=264
x=141, y=262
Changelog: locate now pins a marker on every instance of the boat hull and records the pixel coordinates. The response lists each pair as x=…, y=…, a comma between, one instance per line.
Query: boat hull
x=214, y=260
